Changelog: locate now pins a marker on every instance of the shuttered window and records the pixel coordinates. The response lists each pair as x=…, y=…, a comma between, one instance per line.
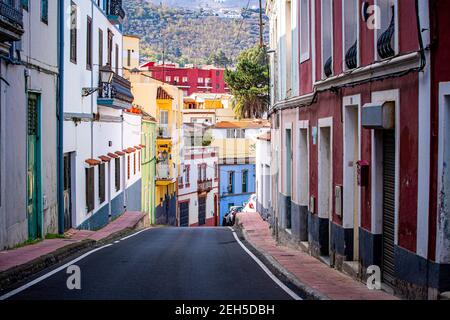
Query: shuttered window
x=117, y=173
x=73, y=32
x=134, y=162
x=90, y=196
x=89, y=43
x=244, y=181
x=100, y=47
x=128, y=168
x=101, y=182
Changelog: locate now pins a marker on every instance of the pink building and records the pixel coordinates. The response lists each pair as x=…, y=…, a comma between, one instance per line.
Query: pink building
x=360, y=125
x=189, y=79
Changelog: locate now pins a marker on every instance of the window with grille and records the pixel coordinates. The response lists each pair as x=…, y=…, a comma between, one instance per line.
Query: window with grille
x=90, y=196
x=117, y=173
x=327, y=38
x=101, y=182
x=73, y=32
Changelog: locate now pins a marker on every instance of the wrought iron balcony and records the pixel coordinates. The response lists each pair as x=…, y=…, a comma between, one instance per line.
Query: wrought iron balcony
x=116, y=14
x=385, y=41
x=11, y=20
x=327, y=69
x=351, y=58
x=204, y=186
x=116, y=94
x=163, y=131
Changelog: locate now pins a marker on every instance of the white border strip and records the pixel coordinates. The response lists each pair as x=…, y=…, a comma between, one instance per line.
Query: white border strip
x=266, y=270
x=51, y=273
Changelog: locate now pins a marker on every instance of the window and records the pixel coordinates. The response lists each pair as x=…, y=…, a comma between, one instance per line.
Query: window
x=100, y=47
x=73, y=33
x=200, y=80
x=199, y=168
x=128, y=57
x=90, y=197
x=168, y=79
x=117, y=174
x=139, y=161
x=216, y=170
x=188, y=174
x=327, y=38
x=110, y=47
x=231, y=182
x=350, y=33
x=240, y=133
x=101, y=183
x=89, y=43
x=129, y=168
x=304, y=30
x=134, y=164
x=385, y=33
x=44, y=11
x=176, y=79
x=244, y=181
x=164, y=117
x=204, y=171
x=185, y=79
x=230, y=133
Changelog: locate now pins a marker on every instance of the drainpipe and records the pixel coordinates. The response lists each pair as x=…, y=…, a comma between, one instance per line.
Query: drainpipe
x=60, y=117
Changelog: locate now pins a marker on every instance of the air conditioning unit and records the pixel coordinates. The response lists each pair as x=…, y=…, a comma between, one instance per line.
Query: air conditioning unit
x=378, y=115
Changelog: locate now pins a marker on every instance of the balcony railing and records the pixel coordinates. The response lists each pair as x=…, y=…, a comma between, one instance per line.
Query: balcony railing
x=351, y=57
x=116, y=13
x=384, y=44
x=163, y=171
x=204, y=186
x=163, y=131
x=11, y=21
x=116, y=94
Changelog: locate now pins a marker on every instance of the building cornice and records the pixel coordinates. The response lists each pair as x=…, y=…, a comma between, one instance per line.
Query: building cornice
x=355, y=77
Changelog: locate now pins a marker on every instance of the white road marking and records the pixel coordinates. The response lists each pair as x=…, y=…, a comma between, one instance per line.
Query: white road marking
x=45, y=276
x=134, y=234
x=51, y=273
x=266, y=270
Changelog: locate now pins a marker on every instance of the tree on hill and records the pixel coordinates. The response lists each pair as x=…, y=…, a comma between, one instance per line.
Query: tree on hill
x=248, y=83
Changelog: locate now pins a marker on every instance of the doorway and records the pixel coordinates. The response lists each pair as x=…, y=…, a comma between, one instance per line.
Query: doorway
x=388, y=233
x=184, y=214
x=201, y=211
x=351, y=188
x=325, y=181
x=33, y=164
x=288, y=177
x=67, y=191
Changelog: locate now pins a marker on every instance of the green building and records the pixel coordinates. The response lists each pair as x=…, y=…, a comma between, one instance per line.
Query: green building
x=149, y=166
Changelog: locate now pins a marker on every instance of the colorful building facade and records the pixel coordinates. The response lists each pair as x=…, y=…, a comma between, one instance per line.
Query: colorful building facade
x=205, y=79
x=149, y=126
x=357, y=137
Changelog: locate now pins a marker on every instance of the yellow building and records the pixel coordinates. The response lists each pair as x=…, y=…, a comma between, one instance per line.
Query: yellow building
x=208, y=108
x=131, y=47
x=163, y=102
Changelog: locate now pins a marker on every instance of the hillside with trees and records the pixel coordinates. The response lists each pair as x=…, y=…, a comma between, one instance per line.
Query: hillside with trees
x=196, y=35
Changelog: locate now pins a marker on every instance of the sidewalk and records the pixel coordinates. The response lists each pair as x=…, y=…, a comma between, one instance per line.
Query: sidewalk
x=321, y=280
x=31, y=258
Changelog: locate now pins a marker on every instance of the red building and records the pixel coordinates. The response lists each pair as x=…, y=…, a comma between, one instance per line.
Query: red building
x=190, y=80
x=361, y=135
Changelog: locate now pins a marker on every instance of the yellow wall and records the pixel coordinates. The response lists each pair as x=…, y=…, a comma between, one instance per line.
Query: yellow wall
x=131, y=43
x=235, y=148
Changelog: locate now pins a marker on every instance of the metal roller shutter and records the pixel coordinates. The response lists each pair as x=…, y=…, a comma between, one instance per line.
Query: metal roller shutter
x=388, y=206
x=184, y=214
x=201, y=211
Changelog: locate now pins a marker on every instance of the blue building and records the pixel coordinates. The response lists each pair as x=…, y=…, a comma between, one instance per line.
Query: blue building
x=237, y=184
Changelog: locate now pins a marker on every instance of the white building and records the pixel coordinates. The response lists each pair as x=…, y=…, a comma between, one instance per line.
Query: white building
x=263, y=175
x=198, y=187
x=101, y=139
x=28, y=120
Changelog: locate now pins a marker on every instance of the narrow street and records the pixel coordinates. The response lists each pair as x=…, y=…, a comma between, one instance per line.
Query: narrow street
x=165, y=264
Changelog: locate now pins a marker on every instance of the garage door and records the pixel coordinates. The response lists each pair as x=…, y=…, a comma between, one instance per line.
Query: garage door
x=184, y=214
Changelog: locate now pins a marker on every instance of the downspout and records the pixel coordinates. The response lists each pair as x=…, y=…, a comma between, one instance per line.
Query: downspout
x=60, y=117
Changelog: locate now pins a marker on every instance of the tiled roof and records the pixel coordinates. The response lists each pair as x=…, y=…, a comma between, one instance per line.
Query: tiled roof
x=265, y=136
x=93, y=162
x=129, y=150
x=113, y=155
x=105, y=158
x=120, y=153
x=162, y=94
x=243, y=124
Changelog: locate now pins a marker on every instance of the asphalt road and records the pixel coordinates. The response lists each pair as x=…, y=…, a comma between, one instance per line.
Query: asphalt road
x=165, y=264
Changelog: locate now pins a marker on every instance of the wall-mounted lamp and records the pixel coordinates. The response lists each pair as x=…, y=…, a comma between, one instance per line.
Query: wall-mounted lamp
x=106, y=76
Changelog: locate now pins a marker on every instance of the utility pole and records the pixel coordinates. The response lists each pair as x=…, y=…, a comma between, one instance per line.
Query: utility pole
x=261, y=25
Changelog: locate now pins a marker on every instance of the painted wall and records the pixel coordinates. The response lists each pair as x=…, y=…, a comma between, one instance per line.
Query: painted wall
x=148, y=168
x=238, y=197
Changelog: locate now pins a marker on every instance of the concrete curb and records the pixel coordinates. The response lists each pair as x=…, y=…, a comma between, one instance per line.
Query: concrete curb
x=15, y=275
x=305, y=291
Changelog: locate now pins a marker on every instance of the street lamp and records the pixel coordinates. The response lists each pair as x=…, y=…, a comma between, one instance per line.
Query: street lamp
x=106, y=76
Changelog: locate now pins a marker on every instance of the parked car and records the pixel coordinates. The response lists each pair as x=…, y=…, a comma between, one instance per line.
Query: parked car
x=230, y=218
x=250, y=206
